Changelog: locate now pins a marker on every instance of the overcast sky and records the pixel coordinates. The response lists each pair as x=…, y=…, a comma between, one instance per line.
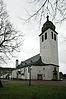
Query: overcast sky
x=17, y=9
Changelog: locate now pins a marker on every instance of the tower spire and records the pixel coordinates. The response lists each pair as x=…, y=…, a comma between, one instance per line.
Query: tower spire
x=47, y=10
x=47, y=18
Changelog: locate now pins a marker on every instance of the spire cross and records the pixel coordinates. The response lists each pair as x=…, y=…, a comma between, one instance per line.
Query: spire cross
x=47, y=18
x=47, y=10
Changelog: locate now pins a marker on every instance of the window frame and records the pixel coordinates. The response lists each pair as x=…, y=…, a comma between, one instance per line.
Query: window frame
x=43, y=68
x=55, y=37
x=42, y=38
x=52, y=35
x=45, y=35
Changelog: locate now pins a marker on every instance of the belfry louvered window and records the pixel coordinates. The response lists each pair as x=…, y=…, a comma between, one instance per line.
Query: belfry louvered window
x=45, y=36
x=52, y=35
x=42, y=38
x=55, y=37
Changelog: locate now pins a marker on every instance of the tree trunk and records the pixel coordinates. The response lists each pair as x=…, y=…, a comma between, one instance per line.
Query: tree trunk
x=1, y=84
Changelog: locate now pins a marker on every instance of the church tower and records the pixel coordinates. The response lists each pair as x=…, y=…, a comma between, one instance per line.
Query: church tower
x=49, y=47
x=49, y=43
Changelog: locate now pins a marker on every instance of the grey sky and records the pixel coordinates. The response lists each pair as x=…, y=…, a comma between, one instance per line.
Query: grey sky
x=30, y=30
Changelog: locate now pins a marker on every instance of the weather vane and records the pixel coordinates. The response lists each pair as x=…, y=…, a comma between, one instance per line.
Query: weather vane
x=47, y=10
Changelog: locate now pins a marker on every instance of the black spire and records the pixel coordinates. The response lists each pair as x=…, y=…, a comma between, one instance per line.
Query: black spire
x=47, y=18
x=48, y=24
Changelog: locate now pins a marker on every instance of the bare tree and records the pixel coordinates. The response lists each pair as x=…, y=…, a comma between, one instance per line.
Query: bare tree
x=10, y=39
x=55, y=8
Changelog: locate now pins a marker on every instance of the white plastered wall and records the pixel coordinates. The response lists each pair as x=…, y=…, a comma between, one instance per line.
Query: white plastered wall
x=47, y=73
x=49, y=48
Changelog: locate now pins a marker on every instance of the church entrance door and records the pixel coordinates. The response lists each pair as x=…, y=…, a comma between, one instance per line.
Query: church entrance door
x=55, y=76
x=39, y=76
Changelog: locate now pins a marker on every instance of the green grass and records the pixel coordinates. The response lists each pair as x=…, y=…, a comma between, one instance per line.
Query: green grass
x=21, y=91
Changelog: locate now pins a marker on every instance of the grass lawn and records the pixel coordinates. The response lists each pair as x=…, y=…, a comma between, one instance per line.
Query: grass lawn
x=18, y=90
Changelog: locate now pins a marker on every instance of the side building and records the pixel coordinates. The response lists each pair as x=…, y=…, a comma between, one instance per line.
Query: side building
x=5, y=73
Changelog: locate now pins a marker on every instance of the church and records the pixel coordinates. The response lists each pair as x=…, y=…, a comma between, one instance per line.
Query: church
x=45, y=65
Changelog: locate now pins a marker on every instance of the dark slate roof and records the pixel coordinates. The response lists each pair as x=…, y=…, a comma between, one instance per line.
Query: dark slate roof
x=6, y=68
x=35, y=61
x=48, y=24
x=31, y=61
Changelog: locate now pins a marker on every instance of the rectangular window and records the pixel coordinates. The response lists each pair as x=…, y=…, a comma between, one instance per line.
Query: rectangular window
x=42, y=38
x=55, y=37
x=52, y=34
x=43, y=68
x=45, y=36
x=43, y=75
x=39, y=77
x=24, y=69
x=28, y=69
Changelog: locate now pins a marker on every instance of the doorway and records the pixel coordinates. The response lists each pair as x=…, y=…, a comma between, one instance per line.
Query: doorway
x=39, y=76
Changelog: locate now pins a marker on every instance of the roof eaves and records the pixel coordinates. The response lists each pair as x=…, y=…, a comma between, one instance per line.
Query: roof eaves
x=46, y=30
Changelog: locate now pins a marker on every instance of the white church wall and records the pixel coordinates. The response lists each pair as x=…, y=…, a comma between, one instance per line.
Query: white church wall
x=22, y=75
x=46, y=71
x=14, y=75
x=57, y=68
x=49, y=72
x=49, y=48
x=44, y=47
x=26, y=73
